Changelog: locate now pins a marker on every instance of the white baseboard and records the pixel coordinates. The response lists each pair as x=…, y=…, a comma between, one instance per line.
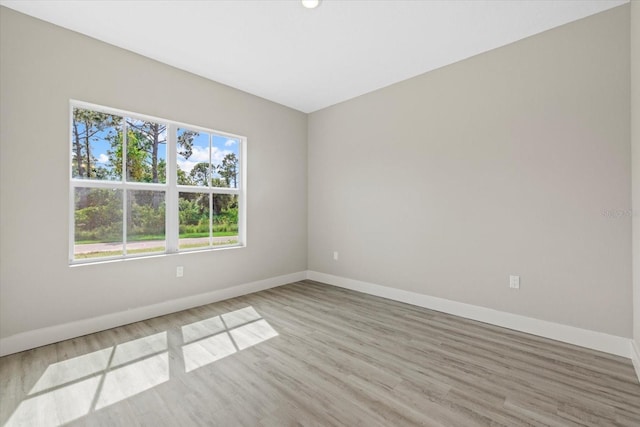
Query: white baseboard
x=612, y=344
x=620, y=346
x=39, y=337
x=635, y=357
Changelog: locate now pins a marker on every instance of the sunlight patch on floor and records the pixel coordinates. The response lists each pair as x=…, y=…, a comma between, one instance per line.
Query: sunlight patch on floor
x=212, y=339
x=240, y=317
x=137, y=349
x=67, y=371
x=202, y=329
x=56, y=407
x=70, y=389
x=252, y=334
x=207, y=351
x=127, y=381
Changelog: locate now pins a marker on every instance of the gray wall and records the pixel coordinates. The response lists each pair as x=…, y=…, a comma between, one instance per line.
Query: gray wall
x=505, y=163
x=42, y=67
x=635, y=141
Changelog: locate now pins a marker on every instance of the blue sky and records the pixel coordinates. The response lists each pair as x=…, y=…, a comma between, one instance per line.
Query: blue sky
x=100, y=145
x=222, y=146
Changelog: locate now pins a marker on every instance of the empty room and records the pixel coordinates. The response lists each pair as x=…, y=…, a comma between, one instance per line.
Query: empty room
x=320, y=213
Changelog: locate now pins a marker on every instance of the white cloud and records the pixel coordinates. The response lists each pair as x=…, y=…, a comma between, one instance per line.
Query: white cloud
x=199, y=155
x=186, y=165
x=103, y=158
x=230, y=142
x=217, y=155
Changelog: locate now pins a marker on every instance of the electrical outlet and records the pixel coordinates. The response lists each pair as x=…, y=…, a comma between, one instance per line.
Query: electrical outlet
x=179, y=271
x=335, y=255
x=514, y=282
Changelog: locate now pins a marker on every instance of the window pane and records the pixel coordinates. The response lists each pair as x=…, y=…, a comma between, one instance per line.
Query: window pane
x=225, y=219
x=145, y=221
x=98, y=223
x=224, y=156
x=194, y=220
x=96, y=144
x=146, y=151
x=194, y=166
x=125, y=214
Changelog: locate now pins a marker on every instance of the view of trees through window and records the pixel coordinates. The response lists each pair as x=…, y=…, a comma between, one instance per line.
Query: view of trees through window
x=122, y=188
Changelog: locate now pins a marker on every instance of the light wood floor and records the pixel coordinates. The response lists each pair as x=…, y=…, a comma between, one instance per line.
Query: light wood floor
x=313, y=354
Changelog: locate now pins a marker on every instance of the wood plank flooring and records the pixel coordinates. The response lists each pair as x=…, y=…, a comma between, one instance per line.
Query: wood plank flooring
x=313, y=354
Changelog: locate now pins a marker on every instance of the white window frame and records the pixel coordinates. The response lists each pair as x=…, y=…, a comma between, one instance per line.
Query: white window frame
x=171, y=188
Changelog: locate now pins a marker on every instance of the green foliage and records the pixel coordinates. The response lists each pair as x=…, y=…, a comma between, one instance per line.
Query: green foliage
x=98, y=215
x=228, y=170
x=190, y=213
x=183, y=178
x=194, y=218
x=200, y=174
x=101, y=219
x=137, y=169
x=226, y=221
x=99, y=212
x=185, y=142
x=87, y=127
x=146, y=219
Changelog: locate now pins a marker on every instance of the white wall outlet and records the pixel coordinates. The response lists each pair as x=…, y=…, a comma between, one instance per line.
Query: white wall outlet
x=514, y=282
x=179, y=271
x=335, y=255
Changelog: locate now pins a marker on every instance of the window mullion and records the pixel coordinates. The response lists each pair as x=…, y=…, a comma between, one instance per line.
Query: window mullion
x=171, y=200
x=72, y=223
x=225, y=190
x=209, y=184
x=72, y=193
x=242, y=196
x=210, y=219
x=125, y=213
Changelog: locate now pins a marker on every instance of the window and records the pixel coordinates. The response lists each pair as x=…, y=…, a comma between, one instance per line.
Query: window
x=144, y=186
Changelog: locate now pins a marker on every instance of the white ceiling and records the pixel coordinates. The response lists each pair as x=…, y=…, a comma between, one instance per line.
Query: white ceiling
x=310, y=59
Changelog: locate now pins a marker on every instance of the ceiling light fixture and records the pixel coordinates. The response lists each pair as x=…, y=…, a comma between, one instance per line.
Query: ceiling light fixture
x=310, y=4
